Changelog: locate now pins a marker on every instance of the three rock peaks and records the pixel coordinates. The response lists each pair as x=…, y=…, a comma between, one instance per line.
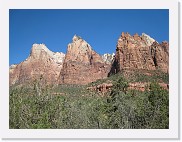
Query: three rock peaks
x=82, y=65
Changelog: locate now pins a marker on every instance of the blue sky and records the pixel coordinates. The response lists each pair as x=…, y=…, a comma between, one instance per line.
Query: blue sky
x=100, y=28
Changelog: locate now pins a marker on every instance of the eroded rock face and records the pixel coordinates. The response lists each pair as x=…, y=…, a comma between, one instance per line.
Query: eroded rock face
x=148, y=40
x=160, y=55
x=82, y=64
x=108, y=58
x=12, y=67
x=41, y=64
x=142, y=86
x=141, y=53
x=103, y=88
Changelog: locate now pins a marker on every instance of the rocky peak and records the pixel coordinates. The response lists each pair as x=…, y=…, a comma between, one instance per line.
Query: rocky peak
x=76, y=38
x=38, y=50
x=79, y=44
x=126, y=40
x=82, y=64
x=41, y=62
x=79, y=50
x=139, y=52
x=149, y=41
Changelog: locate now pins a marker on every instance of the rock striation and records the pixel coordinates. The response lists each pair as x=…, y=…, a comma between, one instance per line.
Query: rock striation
x=41, y=64
x=82, y=64
x=140, y=53
x=160, y=56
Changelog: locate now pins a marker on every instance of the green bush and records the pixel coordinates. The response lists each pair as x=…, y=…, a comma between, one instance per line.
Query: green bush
x=149, y=109
x=73, y=109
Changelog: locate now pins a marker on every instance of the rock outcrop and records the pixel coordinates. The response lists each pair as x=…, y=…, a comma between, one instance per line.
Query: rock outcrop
x=82, y=64
x=148, y=40
x=41, y=64
x=142, y=86
x=12, y=67
x=108, y=58
x=103, y=88
x=141, y=53
x=160, y=55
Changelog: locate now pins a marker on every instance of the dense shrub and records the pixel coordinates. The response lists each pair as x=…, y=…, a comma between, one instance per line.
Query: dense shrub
x=78, y=109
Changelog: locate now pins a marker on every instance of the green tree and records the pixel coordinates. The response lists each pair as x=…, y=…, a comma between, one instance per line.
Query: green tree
x=159, y=99
x=120, y=85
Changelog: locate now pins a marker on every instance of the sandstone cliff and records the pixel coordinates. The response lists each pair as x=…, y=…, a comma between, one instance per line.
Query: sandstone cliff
x=141, y=53
x=41, y=64
x=108, y=58
x=82, y=64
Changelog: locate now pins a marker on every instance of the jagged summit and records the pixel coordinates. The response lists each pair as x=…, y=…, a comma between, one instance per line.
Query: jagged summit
x=82, y=64
x=79, y=42
x=140, y=53
x=143, y=40
x=41, y=62
x=37, y=46
x=78, y=50
x=148, y=39
x=40, y=50
x=76, y=38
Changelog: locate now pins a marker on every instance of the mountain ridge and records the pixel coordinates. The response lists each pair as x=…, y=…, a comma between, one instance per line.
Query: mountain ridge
x=140, y=52
x=82, y=65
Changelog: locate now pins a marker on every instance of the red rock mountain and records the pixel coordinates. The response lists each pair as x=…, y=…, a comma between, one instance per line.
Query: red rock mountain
x=82, y=64
x=140, y=53
x=41, y=63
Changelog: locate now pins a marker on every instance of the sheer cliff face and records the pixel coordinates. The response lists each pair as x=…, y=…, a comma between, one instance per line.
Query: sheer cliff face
x=160, y=55
x=141, y=53
x=41, y=63
x=82, y=64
